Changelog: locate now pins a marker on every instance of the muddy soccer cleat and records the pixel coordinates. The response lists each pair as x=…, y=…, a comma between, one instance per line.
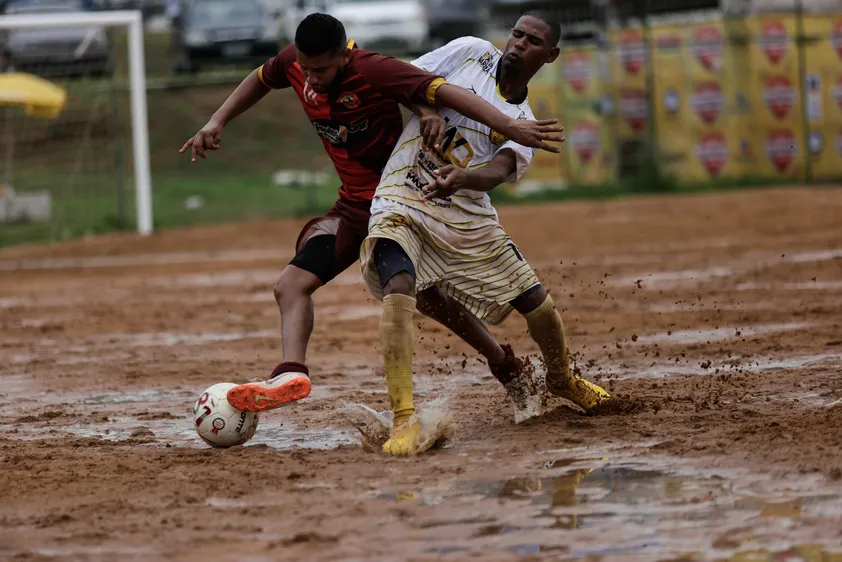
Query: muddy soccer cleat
x=523, y=391
x=584, y=394
x=405, y=439
x=289, y=382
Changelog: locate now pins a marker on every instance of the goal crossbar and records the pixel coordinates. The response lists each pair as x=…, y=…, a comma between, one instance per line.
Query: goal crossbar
x=132, y=20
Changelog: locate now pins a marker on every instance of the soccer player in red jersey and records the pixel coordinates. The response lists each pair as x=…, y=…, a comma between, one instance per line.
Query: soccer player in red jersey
x=352, y=98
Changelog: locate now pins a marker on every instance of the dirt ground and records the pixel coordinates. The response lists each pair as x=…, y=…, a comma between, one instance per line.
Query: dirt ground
x=716, y=319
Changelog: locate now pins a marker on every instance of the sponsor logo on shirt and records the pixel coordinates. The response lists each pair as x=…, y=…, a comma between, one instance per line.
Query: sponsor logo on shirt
x=486, y=61
x=336, y=134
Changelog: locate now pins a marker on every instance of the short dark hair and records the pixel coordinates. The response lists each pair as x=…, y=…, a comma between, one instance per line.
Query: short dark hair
x=318, y=34
x=552, y=20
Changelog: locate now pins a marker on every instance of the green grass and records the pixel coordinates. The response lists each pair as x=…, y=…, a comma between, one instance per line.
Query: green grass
x=72, y=217
x=224, y=198
x=229, y=198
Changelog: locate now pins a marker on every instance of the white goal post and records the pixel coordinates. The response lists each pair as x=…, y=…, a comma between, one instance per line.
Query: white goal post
x=132, y=20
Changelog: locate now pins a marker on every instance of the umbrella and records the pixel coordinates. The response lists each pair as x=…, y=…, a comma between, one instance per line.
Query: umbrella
x=38, y=97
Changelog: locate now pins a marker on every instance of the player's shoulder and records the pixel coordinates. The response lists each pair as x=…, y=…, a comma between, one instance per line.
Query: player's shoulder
x=363, y=60
x=476, y=50
x=473, y=44
x=286, y=57
x=360, y=58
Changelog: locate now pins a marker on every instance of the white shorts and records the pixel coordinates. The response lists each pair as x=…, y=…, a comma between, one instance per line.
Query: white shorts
x=479, y=266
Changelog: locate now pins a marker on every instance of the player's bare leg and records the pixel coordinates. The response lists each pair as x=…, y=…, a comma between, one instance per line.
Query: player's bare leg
x=447, y=311
x=522, y=390
x=547, y=330
x=290, y=380
x=294, y=295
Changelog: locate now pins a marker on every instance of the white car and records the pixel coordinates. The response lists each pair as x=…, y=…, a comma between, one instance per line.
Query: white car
x=387, y=26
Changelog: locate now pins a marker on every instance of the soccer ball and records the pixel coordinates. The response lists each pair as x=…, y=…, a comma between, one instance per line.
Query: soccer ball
x=218, y=423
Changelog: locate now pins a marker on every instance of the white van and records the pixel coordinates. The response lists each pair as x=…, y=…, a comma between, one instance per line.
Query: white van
x=386, y=26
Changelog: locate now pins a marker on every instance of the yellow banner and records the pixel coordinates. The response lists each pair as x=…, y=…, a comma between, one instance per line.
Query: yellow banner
x=823, y=95
x=670, y=100
x=727, y=100
x=546, y=168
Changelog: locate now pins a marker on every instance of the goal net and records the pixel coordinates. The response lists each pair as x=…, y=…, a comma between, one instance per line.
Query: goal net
x=76, y=163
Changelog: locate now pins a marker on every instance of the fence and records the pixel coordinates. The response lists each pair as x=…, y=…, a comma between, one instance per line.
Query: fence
x=713, y=99
x=701, y=97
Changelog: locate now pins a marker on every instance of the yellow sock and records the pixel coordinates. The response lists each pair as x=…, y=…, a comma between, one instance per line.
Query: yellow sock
x=397, y=337
x=547, y=329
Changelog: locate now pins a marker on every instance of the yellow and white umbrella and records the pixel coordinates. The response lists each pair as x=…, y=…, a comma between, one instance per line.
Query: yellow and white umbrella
x=38, y=97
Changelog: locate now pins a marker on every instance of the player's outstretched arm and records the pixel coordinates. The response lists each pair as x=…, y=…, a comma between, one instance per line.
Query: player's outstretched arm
x=249, y=92
x=534, y=134
x=451, y=179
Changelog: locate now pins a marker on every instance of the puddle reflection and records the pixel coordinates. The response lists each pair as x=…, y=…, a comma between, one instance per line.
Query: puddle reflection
x=591, y=508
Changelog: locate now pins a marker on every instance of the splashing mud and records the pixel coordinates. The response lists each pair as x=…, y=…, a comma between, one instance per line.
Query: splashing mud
x=437, y=425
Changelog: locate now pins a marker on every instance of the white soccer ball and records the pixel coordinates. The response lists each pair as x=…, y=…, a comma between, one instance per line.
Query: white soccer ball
x=220, y=424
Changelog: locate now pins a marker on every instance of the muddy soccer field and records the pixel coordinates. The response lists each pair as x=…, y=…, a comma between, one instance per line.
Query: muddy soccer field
x=715, y=319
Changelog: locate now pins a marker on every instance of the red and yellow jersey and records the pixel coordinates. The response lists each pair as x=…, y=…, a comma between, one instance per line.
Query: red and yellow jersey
x=359, y=120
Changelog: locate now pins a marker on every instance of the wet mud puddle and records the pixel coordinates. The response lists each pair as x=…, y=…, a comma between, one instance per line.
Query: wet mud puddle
x=629, y=509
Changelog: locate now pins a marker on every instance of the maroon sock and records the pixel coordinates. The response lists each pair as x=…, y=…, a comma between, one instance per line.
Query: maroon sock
x=290, y=367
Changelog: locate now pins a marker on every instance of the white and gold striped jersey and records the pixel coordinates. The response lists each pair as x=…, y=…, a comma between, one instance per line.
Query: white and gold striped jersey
x=472, y=64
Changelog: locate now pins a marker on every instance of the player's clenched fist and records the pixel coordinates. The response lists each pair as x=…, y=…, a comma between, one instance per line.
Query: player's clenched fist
x=208, y=138
x=535, y=134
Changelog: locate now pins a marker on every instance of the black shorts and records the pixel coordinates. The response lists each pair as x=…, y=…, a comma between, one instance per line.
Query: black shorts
x=391, y=259
x=330, y=244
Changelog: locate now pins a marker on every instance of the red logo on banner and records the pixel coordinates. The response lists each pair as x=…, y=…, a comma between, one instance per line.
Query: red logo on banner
x=585, y=140
x=707, y=47
x=781, y=149
x=708, y=101
x=712, y=152
x=836, y=37
x=577, y=70
x=774, y=41
x=631, y=51
x=779, y=96
x=837, y=92
x=633, y=108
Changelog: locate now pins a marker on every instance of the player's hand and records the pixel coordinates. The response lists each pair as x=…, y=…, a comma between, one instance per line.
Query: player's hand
x=433, y=128
x=449, y=180
x=536, y=134
x=208, y=138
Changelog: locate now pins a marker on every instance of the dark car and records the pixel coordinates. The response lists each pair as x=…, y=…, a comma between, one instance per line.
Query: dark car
x=54, y=52
x=451, y=19
x=216, y=32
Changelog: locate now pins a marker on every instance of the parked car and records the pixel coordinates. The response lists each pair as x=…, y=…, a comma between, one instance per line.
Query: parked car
x=216, y=32
x=387, y=26
x=54, y=53
x=451, y=19
x=296, y=11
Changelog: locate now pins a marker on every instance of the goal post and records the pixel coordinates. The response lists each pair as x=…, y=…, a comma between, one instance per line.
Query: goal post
x=132, y=22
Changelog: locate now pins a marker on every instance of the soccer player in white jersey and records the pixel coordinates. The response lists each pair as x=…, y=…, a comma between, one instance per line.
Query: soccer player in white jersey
x=433, y=224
